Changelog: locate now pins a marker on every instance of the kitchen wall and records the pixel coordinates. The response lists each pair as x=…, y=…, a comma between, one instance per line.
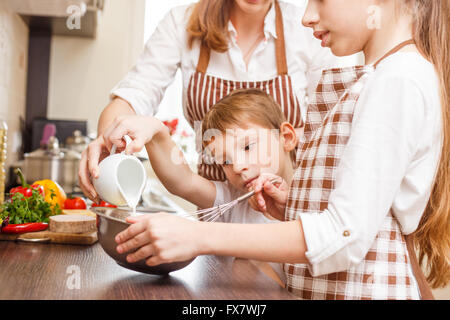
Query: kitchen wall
x=83, y=71
x=13, y=76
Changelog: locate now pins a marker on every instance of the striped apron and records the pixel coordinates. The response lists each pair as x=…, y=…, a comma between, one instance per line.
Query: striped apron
x=204, y=91
x=388, y=271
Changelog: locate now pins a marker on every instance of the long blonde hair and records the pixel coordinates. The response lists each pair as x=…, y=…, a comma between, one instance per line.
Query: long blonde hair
x=208, y=23
x=432, y=238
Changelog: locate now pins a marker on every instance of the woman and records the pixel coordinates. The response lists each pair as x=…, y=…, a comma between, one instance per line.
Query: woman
x=219, y=46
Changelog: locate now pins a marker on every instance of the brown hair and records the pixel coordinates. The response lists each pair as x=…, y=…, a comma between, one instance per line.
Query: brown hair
x=242, y=107
x=432, y=36
x=209, y=24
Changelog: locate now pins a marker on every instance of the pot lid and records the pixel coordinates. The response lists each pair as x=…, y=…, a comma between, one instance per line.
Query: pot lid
x=53, y=151
x=77, y=139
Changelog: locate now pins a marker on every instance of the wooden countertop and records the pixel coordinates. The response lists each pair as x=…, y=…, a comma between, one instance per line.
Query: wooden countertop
x=50, y=271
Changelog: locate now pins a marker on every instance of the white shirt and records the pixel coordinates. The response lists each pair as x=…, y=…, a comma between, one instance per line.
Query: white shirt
x=241, y=213
x=166, y=51
x=389, y=163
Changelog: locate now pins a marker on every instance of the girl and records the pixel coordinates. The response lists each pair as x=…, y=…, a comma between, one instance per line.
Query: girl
x=373, y=166
x=219, y=46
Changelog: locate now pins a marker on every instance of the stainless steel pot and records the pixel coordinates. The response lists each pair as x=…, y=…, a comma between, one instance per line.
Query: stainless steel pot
x=55, y=163
x=110, y=223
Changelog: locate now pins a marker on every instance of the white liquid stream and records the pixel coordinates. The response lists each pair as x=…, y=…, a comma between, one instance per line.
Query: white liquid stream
x=132, y=202
x=131, y=181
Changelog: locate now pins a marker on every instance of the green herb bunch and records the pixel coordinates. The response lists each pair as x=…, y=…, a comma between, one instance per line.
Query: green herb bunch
x=23, y=210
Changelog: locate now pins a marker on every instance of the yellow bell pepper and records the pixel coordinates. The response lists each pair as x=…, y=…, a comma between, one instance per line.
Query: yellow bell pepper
x=53, y=187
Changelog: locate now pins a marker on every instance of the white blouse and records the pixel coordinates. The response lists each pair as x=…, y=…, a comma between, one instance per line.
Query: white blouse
x=166, y=51
x=388, y=164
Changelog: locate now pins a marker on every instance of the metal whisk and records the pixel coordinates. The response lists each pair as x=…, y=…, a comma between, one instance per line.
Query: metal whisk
x=212, y=214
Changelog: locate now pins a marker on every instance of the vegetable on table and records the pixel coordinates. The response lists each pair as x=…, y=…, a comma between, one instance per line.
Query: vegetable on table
x=22, y=210
x=54, y=194
x=24, y=227
x=104, y=204
x=75, y=203
x=25, y=188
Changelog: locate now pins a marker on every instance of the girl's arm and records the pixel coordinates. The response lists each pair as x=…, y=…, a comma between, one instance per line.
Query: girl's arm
x=164, y=238
x=272, y=242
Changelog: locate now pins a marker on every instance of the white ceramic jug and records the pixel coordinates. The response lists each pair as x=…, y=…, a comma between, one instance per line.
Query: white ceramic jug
x=121, y=180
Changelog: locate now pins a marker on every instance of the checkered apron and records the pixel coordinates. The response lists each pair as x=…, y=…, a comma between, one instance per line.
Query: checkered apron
x=205, y=90
x=385, y=272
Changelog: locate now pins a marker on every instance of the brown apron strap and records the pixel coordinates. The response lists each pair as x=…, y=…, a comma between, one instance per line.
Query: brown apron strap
x=280, y=47
x=424, y=288
x=396, y=49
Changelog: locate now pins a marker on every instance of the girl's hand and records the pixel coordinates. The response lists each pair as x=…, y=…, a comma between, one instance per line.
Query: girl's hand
x=140, y=129
x=270, y=198
x=160, y=238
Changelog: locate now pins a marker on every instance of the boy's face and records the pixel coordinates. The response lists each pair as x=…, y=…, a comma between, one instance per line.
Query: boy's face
x=246, y=153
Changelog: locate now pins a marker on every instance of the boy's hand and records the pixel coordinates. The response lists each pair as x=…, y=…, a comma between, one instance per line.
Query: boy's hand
x=140, y=129
x=160, y=238
x=270, y=198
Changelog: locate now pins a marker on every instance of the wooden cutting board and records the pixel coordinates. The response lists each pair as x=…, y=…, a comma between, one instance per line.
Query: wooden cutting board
x=56, y=237
x=53, y=237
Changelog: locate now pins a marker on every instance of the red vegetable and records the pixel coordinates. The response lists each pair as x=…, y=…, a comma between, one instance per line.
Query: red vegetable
x=26, y=189
x=75, y=203
x=104, y=204
x=24, y=227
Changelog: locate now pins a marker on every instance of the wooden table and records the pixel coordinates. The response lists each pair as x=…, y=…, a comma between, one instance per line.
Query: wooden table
x=51, y=271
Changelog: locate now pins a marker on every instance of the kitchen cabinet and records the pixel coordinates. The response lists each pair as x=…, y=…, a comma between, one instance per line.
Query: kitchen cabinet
x=77, y=18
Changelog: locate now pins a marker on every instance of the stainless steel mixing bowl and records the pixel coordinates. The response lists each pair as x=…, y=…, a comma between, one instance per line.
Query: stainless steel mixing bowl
x=110, y=223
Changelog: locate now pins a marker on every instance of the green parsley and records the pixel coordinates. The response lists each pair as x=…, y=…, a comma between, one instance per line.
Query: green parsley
x=25, y=210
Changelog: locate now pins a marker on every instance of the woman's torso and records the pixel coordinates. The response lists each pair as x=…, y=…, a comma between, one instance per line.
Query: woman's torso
x=167, y=50
x=304, y=56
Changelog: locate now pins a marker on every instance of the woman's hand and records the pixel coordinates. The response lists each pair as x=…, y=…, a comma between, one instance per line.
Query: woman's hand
x=88, y=168
x=270, y=198
x=160, y=238
x=140, y=129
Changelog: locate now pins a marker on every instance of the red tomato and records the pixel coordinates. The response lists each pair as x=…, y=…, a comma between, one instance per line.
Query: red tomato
x=75, y=203
x=104, y=204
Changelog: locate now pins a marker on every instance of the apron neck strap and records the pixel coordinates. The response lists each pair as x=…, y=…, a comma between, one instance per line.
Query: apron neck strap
x=394, y=50
x=280, y=47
